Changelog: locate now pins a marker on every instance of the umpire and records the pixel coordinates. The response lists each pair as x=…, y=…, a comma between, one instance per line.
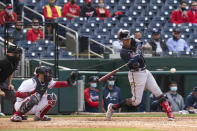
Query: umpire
x=8, y=64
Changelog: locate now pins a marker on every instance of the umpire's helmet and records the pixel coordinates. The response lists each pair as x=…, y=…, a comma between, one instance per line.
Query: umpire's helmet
x=93, y=79
x=14, y=49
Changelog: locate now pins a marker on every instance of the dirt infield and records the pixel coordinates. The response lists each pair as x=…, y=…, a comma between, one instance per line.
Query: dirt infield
x=180, y=124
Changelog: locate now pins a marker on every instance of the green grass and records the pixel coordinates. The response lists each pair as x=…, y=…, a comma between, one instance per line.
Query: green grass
x=83, y=129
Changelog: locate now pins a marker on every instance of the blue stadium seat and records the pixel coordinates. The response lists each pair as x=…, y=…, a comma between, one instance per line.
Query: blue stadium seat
x=98, y=38
x=125, y=2
x=156, y=2
x=79, y=20
x=61, y=2
x=30, y=3
x=112, y=20
x=102, y=32
x=173, y=3
x=107, y=42
x=62, y=20
x=85, y=32
x=47, y=55
x=143, y=19
x=111, y=3
x=128, y=20
x=74, y=26
x=108, y=26
x=96, y=20
x=65, y=54
x=133, y=14
x=141, y=2
x=123, y=25
x=139, y=25
x=121, y=8
x=90, y=25
x=39, y=7
x=137, y=8
x=155, y=24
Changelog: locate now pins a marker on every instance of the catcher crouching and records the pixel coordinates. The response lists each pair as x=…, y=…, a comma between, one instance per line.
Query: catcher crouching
x=32, y=96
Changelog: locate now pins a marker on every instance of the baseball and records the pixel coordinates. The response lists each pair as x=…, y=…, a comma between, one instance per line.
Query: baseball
x=173, y=70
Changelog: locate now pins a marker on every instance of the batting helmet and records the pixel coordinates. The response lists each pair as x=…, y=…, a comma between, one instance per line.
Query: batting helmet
x=124, y=34
x=112, y=78
x=93, y=79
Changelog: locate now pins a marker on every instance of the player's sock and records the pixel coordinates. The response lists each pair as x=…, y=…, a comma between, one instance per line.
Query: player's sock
x=18, y=113
x=122, y=104
x=167, y=108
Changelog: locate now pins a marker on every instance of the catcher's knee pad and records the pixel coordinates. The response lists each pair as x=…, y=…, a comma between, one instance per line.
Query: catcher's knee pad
x=52, y=98
x=29, y=103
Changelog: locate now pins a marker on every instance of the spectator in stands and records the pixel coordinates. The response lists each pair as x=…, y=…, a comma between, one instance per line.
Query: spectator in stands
x=174, y=98
x=71, y=10
x=191, y=100
x=18, y=7
x=117, y=45
x=51, y=11
x=179, y=15
x=35, y=33
x=8, y=15
x=102, y=11
x=91, y=95
x=18, y=33
x=192, y=13
x=176, y=44
x=138, y=39
x=111, y=93
x=158, y=45
x=87, y=10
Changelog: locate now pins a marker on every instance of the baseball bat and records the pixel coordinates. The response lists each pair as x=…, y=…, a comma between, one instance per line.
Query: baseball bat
x=105, y=77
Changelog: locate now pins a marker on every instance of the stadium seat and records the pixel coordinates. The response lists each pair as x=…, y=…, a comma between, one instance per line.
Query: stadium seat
x=156, y=2
x=141, y=2
x=173, y=3
x=102, y=32
x=133, y=14
x=137, y=8
x=90, y=25
x=47, y=55
x=61, y=2
x=111, y=3
x=30, y=3
x=95, y=20
x=129, y=20
x=121, y=8
x=62, y=20
x=127, y=3
x=155, y=24
x=79, y=20
x=98, y=38
x=74, y=26
x=65, y=54
x=85, y=32
x=108, y=26
x=123, y=25
x=112, y=20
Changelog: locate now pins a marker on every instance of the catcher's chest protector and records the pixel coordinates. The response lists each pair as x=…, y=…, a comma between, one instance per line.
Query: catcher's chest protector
x=40, y=88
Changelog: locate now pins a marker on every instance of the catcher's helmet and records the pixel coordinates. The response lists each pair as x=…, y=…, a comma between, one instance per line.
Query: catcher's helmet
x=93, y=79
x=42, y=69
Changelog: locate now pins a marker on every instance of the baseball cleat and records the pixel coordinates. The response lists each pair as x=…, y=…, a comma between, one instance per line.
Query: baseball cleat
x=16, y=118
x=170, y=116
x=24, y=117
x=109, y=112
x=45, y=118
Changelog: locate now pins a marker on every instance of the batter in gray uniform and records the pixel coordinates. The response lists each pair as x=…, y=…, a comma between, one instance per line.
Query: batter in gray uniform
x=139, y=77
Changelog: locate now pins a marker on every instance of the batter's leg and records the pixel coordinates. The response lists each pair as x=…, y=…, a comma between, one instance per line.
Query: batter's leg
x=153, y=87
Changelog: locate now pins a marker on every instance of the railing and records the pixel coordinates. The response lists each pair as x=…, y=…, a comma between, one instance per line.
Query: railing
x=76, y=38
x=96, y=42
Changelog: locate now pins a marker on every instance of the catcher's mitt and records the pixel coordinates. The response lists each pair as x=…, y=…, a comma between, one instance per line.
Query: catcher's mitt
x=72, y=79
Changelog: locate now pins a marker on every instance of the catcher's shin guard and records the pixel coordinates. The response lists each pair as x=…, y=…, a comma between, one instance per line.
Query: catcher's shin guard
x=29, y=104
x=52, y=98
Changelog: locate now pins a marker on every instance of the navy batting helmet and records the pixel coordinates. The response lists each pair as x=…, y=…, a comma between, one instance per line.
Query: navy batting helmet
x=42, y=70
x=112, y=78
x=93, y=79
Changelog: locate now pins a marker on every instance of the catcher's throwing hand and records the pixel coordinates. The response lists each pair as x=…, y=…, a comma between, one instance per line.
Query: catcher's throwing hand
x=72, y=79
x=10, y=87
